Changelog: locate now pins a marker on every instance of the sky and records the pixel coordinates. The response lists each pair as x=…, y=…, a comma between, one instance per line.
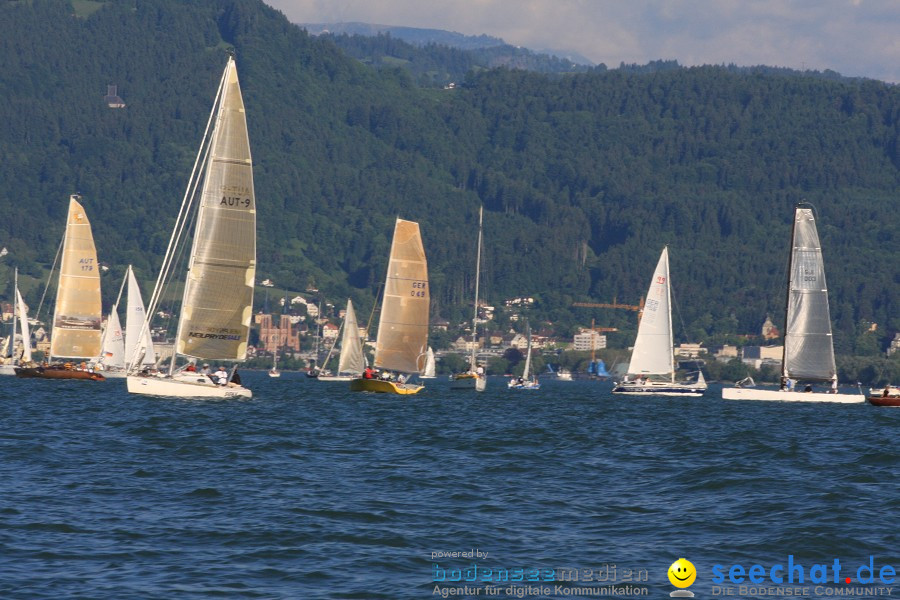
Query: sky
x=856, y=38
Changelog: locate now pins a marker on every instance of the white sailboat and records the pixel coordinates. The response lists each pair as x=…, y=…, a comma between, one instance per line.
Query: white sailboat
x=216, y=307
x=651, y=371
x=138, y=343
x=402, y=339
x=20, y=316
x=808, y=348
x=475, y=377
x=112, y=347
x=528, y=380
x=76, y=330
x=430, y=365
x=274, y=372
x=352, y=360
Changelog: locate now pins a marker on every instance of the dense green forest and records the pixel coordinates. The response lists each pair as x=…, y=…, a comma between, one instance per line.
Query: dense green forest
x=584, y=177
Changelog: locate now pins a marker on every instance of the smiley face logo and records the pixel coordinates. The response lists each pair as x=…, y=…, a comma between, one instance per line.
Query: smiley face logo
x=682, y=573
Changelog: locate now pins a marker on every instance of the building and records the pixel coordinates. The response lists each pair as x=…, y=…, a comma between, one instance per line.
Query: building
x=330, y=331
x=112, y=99
x=689, y=351
x=756, y=356
x=769, y=331
x=589, y=340
x=273, y=337
x=895, y=345
x=724, y=353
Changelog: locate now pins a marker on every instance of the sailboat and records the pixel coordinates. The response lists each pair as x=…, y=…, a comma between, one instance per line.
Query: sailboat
x=653, y=353
x=430, y=365
x=274, y=372
x=402, y=339
x=475, y=378
x=528, y=380
x=138, y=343
x=76, y=319
x=112, y=346
x=20, y=316
x=808, y=348
x=352, y=361
x=216, y=306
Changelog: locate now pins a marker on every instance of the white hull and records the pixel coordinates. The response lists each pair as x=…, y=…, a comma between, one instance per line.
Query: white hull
x=110, y=374
x=468, y=383
x=336, y=377
x=184, y=386
x=785, y=396
x=660, y=388
x=8, y=370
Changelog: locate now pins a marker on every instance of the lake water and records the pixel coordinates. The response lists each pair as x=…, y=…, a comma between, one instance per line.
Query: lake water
x=310, y=491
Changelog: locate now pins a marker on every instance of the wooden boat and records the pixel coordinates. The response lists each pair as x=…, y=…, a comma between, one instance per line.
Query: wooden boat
x=217, y=303
x=402, y=340
x=887, y=396
x=76, y=319
x=57, y=371
x=651, y=371
x=808, y=349
x=475, y=378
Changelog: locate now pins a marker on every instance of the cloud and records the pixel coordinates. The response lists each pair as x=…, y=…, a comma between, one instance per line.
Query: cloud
x=853, y=37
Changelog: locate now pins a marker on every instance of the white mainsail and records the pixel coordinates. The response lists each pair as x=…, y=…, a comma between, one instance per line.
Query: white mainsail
x=137, y=339
x=76, y=319
x=527, y=371
x=808, y=347
x=23, y=325
x=218, y=295
x=352, y=359
x=403, y=325
x=652, y=353
x=430, y=364
x=112, y=352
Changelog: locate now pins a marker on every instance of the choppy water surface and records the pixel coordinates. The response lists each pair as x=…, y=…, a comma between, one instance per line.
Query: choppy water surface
x=310, y=491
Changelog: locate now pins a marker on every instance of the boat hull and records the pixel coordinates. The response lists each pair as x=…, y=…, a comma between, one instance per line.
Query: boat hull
x=9, y=370
x=660, y=389
x=184, y=386
x=526, y=385
x=57, y=373
x=336, y=377
x=884, y=400
x=786, y=396
x=467, y=381
x=381, y=386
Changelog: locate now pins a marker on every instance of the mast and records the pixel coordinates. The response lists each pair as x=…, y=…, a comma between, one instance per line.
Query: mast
x=787, y=299
x=669, y=304
x=12, y=336
x=472, y=362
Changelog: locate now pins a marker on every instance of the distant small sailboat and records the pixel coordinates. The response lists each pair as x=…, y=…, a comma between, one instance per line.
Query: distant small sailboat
x=402, y=339
x=352, y=360
x=652, y=365
x=528, y=381
x=475, y=377
x=430, y=365
x=20, y=316
x=274, y=372
x=76, y=330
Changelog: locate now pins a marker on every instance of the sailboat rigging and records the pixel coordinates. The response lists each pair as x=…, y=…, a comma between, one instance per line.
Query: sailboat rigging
x=528, y=380
x=76, y=320
x=652, y=367
x=217, y=302
x=351, y=361
x=402, y=339
x=475, y=377
x=808, y=353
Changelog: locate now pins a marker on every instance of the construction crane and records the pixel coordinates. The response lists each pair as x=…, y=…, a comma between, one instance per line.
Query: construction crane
x=613, y=304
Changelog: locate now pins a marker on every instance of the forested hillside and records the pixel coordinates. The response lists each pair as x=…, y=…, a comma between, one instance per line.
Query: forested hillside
x=584, y=177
